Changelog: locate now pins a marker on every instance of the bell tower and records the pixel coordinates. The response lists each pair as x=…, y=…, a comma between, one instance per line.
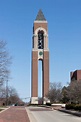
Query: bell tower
x=40, y=51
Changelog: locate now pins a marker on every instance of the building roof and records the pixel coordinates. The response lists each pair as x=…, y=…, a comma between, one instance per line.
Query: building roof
x=40, y=16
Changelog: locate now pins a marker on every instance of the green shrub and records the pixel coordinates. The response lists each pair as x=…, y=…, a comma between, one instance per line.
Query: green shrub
x=76, y=107
x=70, y=106
x=48, y=104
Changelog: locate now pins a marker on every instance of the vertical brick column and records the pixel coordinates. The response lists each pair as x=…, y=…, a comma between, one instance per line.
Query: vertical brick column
x=34, y=87
x=45, y=73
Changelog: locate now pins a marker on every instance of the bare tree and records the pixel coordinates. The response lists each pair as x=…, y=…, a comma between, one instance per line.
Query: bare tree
x=72, y=93
x=65, y=95
x=5, y=61
x=54, y=94
x=13, y=96
x=2, y=92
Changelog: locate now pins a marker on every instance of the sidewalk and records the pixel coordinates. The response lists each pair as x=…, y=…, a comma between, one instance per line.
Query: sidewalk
x=14, y=114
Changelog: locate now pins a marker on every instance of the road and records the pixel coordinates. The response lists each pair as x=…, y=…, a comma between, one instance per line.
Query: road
x=46, y=115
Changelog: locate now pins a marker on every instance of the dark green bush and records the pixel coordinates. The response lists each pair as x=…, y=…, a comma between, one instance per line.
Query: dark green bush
x=70, y=106
x=48, y=104
x=76, y=107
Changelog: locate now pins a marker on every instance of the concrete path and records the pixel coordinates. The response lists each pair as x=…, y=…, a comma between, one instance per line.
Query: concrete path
x=39, y=114
x=14, y=114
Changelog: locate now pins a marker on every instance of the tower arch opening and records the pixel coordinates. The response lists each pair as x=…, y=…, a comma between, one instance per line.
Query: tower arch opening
x=40, y=39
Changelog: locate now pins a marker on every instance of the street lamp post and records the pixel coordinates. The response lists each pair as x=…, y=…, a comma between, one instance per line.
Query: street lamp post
x=6, y=92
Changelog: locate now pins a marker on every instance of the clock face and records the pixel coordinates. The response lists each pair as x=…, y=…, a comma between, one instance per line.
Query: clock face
x=40, y=53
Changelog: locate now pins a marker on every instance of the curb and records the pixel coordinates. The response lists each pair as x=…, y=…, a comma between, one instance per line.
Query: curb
x=71, y=112
x=30, y=115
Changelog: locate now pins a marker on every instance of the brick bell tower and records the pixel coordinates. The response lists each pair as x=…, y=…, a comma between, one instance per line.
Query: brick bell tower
x=40, y=51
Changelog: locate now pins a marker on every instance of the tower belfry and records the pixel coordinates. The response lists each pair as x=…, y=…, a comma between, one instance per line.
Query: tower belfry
x=40, y=51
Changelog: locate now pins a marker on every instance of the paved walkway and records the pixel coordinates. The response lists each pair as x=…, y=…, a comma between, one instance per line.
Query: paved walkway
x=14, y=114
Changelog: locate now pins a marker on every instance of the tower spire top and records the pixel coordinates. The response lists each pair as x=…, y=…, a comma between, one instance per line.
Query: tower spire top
x=40, y=16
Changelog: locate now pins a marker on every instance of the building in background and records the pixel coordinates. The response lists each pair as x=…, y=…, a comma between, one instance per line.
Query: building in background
x=76, y=75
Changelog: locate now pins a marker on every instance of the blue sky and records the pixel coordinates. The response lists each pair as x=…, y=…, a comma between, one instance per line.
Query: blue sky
x=64, y=30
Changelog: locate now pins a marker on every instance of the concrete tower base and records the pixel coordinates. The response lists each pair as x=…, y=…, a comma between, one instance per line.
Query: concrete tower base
x=34, y=100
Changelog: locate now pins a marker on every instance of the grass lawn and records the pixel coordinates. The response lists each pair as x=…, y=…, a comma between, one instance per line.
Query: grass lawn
x=1, y=109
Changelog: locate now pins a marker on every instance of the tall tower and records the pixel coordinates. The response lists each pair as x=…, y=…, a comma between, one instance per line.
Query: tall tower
x=40, y=51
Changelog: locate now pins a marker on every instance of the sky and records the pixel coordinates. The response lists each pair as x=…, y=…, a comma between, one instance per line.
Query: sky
x=64, y=34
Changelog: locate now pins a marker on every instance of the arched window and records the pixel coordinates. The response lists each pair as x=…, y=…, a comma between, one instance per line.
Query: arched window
x=40, y=40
